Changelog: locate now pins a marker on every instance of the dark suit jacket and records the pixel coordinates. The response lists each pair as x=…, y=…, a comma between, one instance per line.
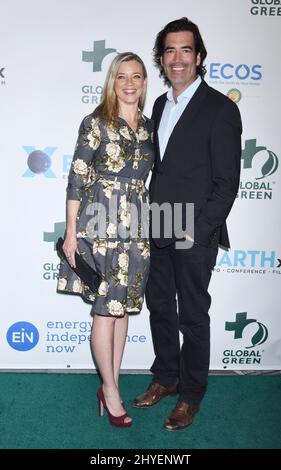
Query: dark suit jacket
x=201, y=163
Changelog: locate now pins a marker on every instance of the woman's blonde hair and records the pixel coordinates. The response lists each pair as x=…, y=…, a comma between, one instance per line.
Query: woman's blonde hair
x=107, y=110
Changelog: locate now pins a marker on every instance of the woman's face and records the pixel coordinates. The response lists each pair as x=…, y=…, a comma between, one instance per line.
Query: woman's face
x=129, y=82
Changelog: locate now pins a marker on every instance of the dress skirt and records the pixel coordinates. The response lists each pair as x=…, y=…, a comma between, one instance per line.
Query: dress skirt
x=112, y=233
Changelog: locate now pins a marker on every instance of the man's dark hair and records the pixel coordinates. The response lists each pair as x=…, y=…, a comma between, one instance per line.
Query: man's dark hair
x=183, y=24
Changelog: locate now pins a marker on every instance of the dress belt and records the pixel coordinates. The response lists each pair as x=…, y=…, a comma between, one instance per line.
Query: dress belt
x=121, y=179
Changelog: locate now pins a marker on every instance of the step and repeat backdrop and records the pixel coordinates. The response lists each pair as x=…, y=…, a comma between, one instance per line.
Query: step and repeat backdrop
x=53, y=59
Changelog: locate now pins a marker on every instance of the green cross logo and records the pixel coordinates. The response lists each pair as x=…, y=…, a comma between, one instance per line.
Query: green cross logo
x=59, y=229
x=248, y=153
x=97, y=55
x=239, y=325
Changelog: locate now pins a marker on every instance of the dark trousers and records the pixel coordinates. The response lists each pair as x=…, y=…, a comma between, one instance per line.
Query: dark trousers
x=184, y=273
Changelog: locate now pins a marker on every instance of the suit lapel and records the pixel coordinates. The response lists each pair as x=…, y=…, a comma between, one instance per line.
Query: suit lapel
x=187, y=116
x=157, y=119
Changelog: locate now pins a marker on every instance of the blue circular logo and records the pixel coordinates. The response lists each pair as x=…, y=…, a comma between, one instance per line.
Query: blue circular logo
x=38, y=161
x=22, y=336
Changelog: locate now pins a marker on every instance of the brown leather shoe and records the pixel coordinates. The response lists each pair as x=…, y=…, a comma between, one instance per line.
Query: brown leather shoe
x=181, y=417
x=153, y=395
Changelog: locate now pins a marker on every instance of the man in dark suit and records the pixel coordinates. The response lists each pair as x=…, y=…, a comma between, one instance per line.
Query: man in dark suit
x=198, y=152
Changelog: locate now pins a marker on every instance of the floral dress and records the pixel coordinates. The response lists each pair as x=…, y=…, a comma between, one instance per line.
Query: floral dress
x=107, y=175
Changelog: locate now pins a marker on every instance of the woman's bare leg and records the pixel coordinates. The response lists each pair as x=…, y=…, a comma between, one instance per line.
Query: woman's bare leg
x=120, y=335
x=103, y=341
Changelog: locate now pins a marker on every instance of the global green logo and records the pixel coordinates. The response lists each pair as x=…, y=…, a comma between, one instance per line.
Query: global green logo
x=59, y=230
x=249, y=153
x=239, y=326
x=97, y=55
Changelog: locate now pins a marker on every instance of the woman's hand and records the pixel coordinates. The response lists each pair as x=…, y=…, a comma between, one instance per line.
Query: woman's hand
x=70, y=247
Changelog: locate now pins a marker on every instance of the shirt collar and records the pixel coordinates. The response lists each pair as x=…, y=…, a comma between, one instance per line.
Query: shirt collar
x=187, y=93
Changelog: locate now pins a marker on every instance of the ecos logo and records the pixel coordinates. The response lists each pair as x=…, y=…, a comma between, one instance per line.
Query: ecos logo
x=232, y=73
x=240, y=327
x=248, y=330
x=50, y=268
x=91, y=93
x=259, y=163
x=40, y=162
x=22, y=336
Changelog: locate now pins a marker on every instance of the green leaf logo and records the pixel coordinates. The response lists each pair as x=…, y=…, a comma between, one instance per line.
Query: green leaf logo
x=260, y=336
x=270, y=165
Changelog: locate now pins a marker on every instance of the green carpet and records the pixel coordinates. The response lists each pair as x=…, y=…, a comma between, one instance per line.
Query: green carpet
x=59, y=411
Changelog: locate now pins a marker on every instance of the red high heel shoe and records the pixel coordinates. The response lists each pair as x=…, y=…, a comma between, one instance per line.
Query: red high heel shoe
x=114, y=420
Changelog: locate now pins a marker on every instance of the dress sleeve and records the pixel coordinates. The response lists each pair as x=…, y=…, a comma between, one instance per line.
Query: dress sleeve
x=82, y=163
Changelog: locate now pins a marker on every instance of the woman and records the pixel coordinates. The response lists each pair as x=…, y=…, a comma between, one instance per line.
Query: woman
x=105, y=218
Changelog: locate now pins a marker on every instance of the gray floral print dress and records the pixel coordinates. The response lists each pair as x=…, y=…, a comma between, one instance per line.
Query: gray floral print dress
x=107, y=175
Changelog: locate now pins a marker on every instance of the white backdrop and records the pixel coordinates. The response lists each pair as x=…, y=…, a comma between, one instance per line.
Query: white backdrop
x=45, y=90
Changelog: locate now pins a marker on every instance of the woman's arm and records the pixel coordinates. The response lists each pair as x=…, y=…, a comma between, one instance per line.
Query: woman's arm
x=79, y=174
x=70, y=243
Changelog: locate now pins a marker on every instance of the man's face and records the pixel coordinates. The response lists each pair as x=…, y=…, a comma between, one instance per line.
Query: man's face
x=179, y=59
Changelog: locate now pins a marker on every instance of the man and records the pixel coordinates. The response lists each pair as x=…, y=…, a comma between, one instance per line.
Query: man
x=198, y=152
